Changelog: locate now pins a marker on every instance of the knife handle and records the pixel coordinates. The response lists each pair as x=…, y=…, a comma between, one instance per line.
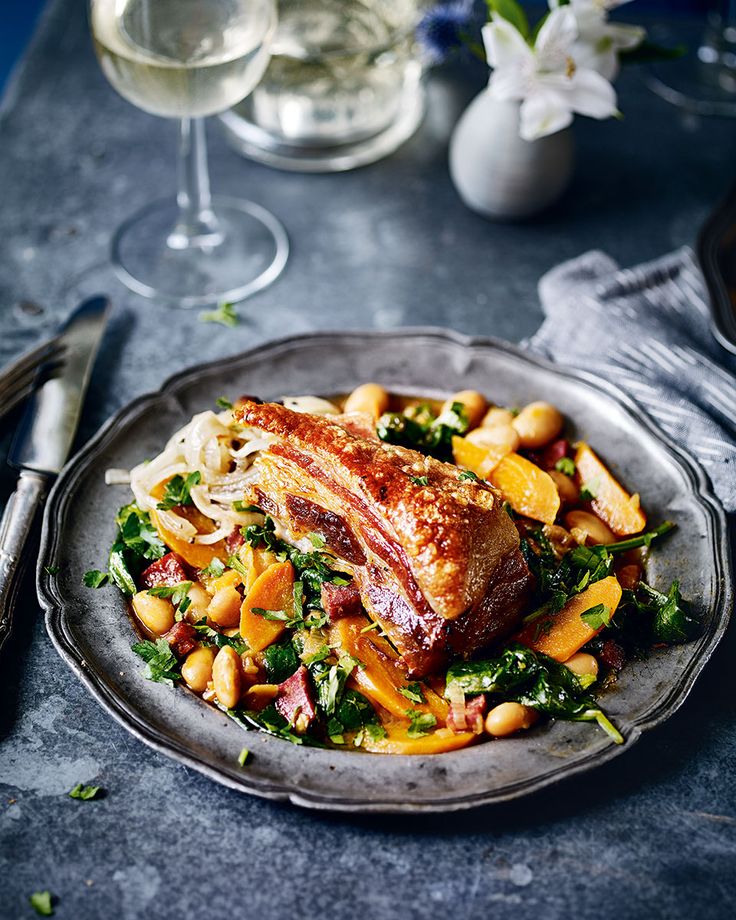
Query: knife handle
x=15, y=528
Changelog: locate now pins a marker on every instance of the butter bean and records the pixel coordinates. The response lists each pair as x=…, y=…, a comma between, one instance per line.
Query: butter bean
x=497, y=416
x=473, y=402
x=582, y=664
x=537, y=424
x=499, y=437
x=155, y=613
x=197, y=668
x=593, y=526
x=370, y=398
x=227, y=676
x=508, y=718
x=224, y=608
x=569, y=492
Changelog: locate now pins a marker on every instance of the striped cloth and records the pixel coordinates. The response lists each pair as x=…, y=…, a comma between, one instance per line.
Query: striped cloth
x=649, y=330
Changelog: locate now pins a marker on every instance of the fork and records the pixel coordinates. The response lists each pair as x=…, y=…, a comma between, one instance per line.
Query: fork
x=18, y=380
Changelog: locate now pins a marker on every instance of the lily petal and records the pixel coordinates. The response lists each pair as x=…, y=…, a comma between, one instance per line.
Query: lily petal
x=592, y=95
x=555, y=39
x=505, y=46
x=509, y=83
x=543, y=112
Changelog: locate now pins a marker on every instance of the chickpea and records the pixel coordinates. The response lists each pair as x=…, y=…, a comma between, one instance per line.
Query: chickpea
x=156, y=613
x=497, y=416
x=582, y=664
x=569, y=492
x=370, y=398
x=199, y=600
x=227, y=676
x=596, y=530
x=473, y=402
x=197, y=668
x=500, y=437
x=537, y=424
x=507, y=718
x=224, y=608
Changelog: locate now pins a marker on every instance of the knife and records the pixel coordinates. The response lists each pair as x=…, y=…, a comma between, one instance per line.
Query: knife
x=43, y=441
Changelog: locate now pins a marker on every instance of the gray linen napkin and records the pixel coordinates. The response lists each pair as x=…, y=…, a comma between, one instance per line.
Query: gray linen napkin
x=651, y=329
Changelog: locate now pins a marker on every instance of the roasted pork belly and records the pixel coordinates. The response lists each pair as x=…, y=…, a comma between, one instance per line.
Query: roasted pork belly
x=436, y=558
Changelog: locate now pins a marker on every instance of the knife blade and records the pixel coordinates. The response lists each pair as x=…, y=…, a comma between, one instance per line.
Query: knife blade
x=43, y=441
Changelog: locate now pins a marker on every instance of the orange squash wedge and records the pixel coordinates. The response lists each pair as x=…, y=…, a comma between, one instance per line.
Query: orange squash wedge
x=527, y=488
x=271, y=590
x=565, y=633
x=477, y=459
x=436, y=742
x=611, y=502
x=198, y=555
x=384, y=673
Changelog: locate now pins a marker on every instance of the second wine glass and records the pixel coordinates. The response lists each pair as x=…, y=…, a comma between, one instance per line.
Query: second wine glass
x=188, y=59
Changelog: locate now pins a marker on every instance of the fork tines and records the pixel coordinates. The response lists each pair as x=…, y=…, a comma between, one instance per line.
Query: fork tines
x=18, y=380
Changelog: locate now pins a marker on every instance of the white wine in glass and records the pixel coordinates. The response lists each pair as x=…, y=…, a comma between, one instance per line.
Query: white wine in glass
x=188, y=59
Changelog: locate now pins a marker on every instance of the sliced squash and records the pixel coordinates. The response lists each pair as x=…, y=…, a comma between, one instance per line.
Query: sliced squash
x=527, y=488
x=436, y=742
x=384, y=673
x=272, y=590
x=564, y=633
x=198, y=555
x=611, y=502
x=480, y=460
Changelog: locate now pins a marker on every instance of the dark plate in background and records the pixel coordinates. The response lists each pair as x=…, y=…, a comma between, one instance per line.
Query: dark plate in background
x=717, y=256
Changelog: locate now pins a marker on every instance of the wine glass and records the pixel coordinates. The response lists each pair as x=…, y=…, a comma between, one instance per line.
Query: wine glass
x=188, y=59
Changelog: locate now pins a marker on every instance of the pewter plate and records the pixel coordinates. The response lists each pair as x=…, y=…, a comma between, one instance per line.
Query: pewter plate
x=93, y=634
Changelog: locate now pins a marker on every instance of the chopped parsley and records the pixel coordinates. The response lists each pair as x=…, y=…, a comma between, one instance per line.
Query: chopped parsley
x=413, y=692
x=211, y=636
x=40, y=901
x=317, y=540
x=469, y=474
x=420, y=480
x=242, y=508
x=421, y=723
x=225, y=315
x=589, y=490
x=244, y=757
x=161, y=664
x=177, y=491
x=95, y=579
x=223, y=403
x=214, y=569
x=419, y=428
x=566, y=465
x=136, y=544
x=51, y=569
x=177, y=594
x=85, y=792
x=597, y=616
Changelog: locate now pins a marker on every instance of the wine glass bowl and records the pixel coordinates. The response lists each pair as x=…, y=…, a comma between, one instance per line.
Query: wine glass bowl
x=188, y=59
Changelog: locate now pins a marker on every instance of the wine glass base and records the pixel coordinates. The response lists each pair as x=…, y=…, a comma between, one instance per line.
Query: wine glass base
x=252, y=254
x=257, y=144
x=689, y=91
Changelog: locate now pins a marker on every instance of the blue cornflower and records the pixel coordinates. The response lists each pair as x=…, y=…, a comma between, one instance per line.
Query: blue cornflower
x=442, y=29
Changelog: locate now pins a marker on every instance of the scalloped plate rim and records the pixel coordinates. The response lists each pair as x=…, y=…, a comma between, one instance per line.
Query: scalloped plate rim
x=662, y=710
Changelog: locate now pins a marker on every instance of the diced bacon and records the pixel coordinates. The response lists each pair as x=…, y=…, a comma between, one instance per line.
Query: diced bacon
x=475, y=709
x=295, y=700
x=612, y=655
x=341, y=600
x=182, y=637
x=234, y=541
x=164, y=572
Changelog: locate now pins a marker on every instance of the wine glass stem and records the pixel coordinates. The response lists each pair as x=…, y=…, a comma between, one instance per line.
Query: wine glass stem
x=196, y=224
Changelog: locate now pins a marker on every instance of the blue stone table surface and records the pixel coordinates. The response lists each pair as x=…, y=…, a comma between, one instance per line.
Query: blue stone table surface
x=652, y=835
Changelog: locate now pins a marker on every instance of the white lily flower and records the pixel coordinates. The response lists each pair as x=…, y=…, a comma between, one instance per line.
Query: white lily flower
x=600, y=41
x=545, y=78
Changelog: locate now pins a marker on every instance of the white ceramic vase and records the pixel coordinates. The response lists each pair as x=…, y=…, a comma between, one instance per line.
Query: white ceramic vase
x=499, y=174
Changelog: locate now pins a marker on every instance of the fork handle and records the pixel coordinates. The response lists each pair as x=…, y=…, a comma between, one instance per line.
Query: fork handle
x=15, y=528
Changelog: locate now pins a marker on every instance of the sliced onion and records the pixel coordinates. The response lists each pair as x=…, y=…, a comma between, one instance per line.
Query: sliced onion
x=314, y=405
x=177, y=525
x=456, y=698
x=214, y=537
